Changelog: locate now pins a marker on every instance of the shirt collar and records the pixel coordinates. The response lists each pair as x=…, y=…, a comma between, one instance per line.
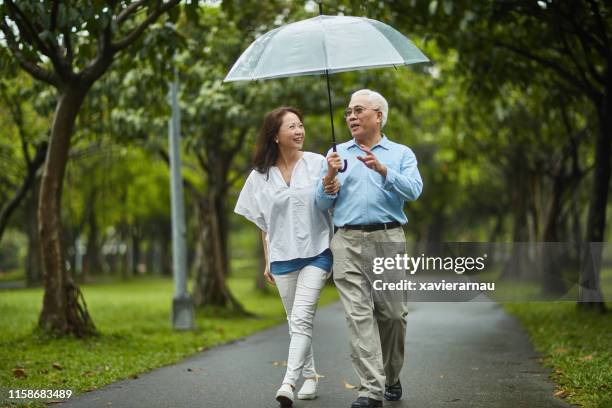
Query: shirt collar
x=384, y=143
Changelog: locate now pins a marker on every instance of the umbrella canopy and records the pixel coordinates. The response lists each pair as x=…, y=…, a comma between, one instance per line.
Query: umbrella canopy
x=324, y=45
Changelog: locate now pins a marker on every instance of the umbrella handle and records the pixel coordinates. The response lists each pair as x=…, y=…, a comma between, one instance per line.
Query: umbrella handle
x=343, y=169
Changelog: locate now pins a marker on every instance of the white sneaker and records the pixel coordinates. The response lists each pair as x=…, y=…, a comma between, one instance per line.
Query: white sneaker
x=308, y=390
x=284, y=395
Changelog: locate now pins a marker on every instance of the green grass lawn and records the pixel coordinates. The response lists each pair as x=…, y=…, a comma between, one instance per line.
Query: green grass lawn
x=12, y=275
x=576, y=345
x=135, y=334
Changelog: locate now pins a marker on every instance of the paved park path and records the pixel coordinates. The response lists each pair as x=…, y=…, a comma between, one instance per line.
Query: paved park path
x=457, y=355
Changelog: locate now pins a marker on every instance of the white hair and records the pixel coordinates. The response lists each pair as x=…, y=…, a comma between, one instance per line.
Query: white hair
x=377, y=100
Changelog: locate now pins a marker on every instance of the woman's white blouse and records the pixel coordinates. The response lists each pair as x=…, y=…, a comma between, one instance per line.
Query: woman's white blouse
x=296, y=228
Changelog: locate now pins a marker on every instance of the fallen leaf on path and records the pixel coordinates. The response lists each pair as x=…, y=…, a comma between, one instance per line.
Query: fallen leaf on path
x=320, y=376
x=282, y=363
x=19, y=372
x=348, y=386
x=560, y=394
x=90, y=389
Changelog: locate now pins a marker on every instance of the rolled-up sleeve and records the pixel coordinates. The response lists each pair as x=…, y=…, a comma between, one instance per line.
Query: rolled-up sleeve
x=407, y=182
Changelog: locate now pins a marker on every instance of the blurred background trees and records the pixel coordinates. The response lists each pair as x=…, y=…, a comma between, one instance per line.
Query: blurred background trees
x=511, y=124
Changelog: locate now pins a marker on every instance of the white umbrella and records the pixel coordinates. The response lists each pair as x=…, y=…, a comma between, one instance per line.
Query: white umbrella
x=324, y=45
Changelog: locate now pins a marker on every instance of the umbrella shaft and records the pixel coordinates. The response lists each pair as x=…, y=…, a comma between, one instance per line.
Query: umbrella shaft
x=331, y=113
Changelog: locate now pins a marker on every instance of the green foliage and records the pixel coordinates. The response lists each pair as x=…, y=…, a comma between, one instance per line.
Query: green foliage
x=24, y=114
x=219, y=122
x=45, y=27
x=487, y=124
x=124, y=186
x=12, y=251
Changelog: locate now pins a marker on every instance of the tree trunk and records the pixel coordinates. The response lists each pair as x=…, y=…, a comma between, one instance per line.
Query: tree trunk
x=27, y=184
x=135, y=251
x=34, y=273
x=210, y=287
x=93, y=262
x=576, y=227
x=155, y=257
x=535, y=207
x=125, y=237
x=223, y=230
x=64, y=310
x=519, y=265
x=494, y=234
x=126, y=256
x=552, y=262
x=165, y=254
x=590, y=291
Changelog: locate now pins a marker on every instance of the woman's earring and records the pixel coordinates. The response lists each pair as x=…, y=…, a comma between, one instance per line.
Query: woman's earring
x=276, y=140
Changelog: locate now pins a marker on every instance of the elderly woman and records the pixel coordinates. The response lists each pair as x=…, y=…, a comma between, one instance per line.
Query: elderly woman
x=278, y=196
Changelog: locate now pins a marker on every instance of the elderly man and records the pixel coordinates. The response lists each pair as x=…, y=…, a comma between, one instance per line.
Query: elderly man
x=368, y=214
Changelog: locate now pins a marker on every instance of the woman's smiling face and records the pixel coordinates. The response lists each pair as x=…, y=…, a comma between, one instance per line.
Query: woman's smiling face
x=291, y=132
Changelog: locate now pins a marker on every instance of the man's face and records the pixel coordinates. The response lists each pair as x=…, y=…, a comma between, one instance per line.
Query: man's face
x=367, y=122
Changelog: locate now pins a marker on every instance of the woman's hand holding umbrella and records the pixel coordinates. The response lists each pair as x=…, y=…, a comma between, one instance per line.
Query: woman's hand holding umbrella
x=332, y=187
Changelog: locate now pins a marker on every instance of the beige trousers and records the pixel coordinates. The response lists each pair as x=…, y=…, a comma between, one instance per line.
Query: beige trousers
x=376, y=319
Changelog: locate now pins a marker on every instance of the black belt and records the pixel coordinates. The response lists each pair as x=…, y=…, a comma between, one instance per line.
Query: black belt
x=373, y=227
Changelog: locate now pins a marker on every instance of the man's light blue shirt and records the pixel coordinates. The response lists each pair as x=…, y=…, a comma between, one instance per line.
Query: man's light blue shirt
x=364, y=196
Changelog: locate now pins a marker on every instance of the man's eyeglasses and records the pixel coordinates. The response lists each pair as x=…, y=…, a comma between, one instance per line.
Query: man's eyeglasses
x=358, y=110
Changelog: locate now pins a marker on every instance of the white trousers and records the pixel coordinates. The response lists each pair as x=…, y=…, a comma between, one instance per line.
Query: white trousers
x=300, y=291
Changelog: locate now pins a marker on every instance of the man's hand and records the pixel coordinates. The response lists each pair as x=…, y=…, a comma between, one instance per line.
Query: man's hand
x=331, y=187
x=334, y=164
x=372, y=162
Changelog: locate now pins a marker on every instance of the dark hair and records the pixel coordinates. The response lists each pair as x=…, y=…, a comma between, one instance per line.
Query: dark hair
x=266, y=150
